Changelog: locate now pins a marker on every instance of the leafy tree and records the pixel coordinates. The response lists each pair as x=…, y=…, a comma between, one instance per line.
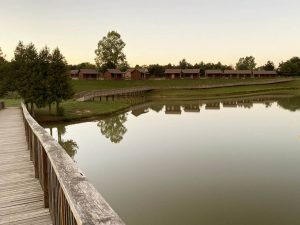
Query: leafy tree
x=84, y=65
x=58, y=82
x=290, y=67
x=109, y=52
x=291, y=103
x=156, y=70
x=124, y=66
x=269, y=66
x=25, y=67
x=183, y=64
x=246, y=63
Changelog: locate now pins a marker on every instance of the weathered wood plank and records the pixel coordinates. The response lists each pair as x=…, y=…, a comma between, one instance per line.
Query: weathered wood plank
x=21, y=196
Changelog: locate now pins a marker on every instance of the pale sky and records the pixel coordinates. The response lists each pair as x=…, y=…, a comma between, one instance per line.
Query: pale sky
x=157, y=31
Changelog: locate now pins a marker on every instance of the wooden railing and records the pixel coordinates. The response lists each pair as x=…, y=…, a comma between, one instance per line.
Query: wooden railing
x=70, y=197
x=2, y=105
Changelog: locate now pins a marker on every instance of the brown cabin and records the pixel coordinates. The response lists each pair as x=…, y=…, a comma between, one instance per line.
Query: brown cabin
x=191, y=108
x=238, y=73
x=136, y=74
x=191, y=73
x=113, y=74
x=264, y=74
x=213, y=73
x=74, y=74
x=88, y=74
x=173, y=73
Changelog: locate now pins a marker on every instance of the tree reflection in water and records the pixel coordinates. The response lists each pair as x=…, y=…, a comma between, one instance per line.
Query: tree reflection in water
x=292, y=103
x=113, y=128
x=70, y=146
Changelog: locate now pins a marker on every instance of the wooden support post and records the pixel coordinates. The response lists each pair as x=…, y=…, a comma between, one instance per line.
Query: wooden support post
x=45, y=177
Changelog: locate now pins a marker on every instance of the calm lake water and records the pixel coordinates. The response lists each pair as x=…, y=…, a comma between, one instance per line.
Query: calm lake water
x=230, y=162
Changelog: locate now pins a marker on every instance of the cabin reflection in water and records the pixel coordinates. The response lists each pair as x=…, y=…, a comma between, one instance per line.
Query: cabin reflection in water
x=192, y=108
x=173, y=109
x=229, y=104
x=246, y=103
x=139, y=111
x=213, y=105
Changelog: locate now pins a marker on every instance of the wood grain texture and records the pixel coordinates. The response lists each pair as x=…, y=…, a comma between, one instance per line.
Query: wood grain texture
x=21, y=195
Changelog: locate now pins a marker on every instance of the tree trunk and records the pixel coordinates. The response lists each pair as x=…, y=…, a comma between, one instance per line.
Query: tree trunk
x=49, y=107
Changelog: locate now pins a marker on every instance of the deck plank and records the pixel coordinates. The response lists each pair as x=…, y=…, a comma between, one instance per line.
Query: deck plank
x=21, y=196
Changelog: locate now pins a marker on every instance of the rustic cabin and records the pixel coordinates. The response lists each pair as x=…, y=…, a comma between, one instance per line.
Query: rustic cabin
x=139, y=111
x=213, y=73
x=264, y=74
x=191, y=73
x=88, y=74
x=136, y=74
x=173, y=73
x=237, y=73
x=74, y=74
x=113, y=74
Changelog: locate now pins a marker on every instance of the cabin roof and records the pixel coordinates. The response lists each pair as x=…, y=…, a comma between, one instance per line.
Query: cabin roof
x=141, y=70
x=213, y=71
x=265, y=72
x=237, y=71
x=191, y=71
x=172, y=71
x=88, y=71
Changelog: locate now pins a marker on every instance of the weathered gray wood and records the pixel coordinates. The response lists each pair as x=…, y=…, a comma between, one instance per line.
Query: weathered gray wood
x=21, y=196
x=72, y=198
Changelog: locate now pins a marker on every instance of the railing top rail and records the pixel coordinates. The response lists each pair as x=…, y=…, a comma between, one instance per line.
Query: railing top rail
x=87, y=205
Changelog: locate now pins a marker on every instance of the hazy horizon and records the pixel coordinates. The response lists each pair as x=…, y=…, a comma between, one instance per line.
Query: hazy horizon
x=157, y=31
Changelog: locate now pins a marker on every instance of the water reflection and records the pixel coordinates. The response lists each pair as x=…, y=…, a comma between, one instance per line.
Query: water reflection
x=113, y=128
x=69, y=145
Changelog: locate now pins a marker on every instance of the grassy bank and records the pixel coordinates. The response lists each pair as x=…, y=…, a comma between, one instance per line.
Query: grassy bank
x=80, y=110
x=86, y=85
x=292, y=87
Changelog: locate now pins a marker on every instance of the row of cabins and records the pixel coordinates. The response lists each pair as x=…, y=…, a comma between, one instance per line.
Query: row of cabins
x=238, y=74
x=142, y=74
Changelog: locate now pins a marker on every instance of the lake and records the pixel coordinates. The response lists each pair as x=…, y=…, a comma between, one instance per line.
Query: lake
x=215, y=162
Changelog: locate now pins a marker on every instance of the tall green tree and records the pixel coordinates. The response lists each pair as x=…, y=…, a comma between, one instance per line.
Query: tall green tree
x=58, y=82
x=183, y=64
x=290, y=67
x=109, y=52
x=246, y=63
x=269, y=66
x=25, y=66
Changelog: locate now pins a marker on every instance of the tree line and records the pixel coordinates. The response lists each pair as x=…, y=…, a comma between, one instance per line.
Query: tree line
x=110, y=54
x=40, y=77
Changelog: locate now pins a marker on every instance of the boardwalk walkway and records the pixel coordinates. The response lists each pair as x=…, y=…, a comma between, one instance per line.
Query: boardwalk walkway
x=21, y=196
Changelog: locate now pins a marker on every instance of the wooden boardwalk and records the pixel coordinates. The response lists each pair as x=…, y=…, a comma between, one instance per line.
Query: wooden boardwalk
x=21, y=195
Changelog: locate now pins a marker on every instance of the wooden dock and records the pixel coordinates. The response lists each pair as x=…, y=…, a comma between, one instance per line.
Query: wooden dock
x=21, y=195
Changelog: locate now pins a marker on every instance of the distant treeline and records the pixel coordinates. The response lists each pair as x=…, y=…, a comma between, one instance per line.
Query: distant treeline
x=290, y=67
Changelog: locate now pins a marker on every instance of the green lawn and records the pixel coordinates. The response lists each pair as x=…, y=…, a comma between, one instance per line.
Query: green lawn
x=89, y=85
x=11, y=102
x=292, y=88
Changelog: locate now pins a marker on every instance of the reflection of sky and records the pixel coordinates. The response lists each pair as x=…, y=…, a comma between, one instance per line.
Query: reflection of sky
x=157, y=31
x=232, y=164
